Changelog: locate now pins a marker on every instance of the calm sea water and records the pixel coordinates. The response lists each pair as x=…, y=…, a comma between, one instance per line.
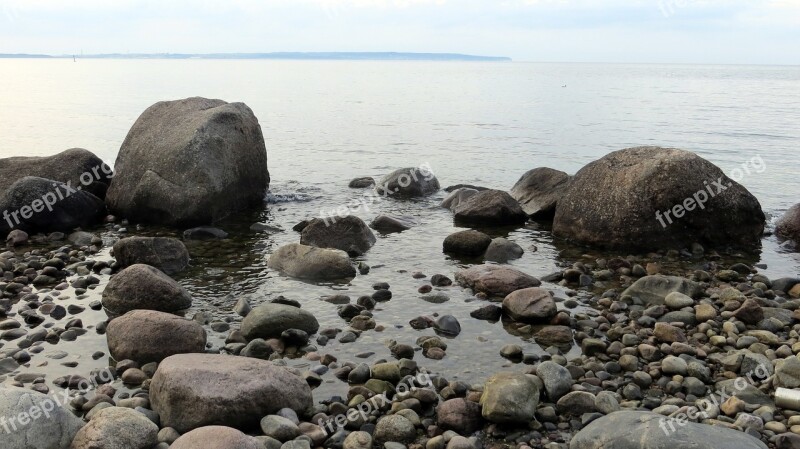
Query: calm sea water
x=480, y=123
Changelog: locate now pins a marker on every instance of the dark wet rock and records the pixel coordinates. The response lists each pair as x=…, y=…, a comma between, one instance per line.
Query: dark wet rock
x=788, y=226
x=456, y=197
x=142, y=286
x=539, y=190
x=448, y=325
x=489, y=312
x=165, y=253
x=408, y=182
x=117, y=428
x=459, y=415
x=643, y=430
x=382, y=295
x=510, y=398
x=361, y=183
x=204, y=233
x=652, y=290
x=150, y=336
x=349, y=234
x=530, y=305
x=77, y=166
x=468, y=243
x=308, y=262
x=55, y=432
x=614, y=202
x=16, y=237
x=494, y=280
x=271, y=320
x=191, y=161
x=501, y=250
x=216, y=437
x=493, y=207
x=440, y=280
x=387, y=224
x=26, y=202
x=194, y=390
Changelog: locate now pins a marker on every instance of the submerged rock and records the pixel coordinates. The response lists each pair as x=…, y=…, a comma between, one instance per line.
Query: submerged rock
x=308, y=262
x=361, y=183
x=408, y=182
x=493, y=207
x=188, y=162
x=646, y=430
x=495, y=280
x=144, y=287
x=195, y=390
x=165, y=253
x=349, y=234
x=388, y=224
x=502, y=250
x=146, y=336
x=654, y=198
x=539, y=190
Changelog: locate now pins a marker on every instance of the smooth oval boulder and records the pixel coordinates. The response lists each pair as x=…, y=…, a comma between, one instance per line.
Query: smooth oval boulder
x=309, y=262
x=271, y=319
x=216, y=437
x=410, y=182
x=35, y=204
x=55, y=432
x=387, y=224
x=456, y=197
x=495, y=280
x=349, y=234
x=146, y=336
x=190, y=162
x=502, y=250
x=539, y=190
x=651, y=198
x=510, y=398
x=788, y=227
x=117, y=428
x=646, y=430
x=76, y=166
x=653, y=290
x=530, y=305
x=492, y=207
x=466, y=243
x=165, y=253
x=144, y=287
x=196, y=390
x=459, y=415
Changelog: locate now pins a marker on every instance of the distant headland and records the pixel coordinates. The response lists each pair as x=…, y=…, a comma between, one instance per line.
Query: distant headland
x=333, y=56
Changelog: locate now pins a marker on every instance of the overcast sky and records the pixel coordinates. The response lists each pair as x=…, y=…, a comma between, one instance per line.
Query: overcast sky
x=690, y=31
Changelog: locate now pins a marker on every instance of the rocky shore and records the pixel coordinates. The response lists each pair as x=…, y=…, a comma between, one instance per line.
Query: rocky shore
x=666, y=340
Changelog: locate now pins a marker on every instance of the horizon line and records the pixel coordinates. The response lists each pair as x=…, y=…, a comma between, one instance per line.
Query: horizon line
x=375, y=55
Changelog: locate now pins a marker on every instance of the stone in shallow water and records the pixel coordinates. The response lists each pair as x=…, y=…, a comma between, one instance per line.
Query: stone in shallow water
x=307, y=262
x=653, y=290
x=142, y=286
x=495, y=280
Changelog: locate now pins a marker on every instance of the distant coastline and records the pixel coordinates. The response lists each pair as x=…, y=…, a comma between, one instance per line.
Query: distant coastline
x=330, y=56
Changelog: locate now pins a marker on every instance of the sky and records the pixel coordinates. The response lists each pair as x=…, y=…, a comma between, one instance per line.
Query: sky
x=624, y=31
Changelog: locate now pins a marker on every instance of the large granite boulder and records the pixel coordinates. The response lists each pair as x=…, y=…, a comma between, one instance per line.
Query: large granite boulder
x=349, y=234
x=144, y=287
x=646, y=430
x=190, y=162
x=270, y=320
x=75, y=166
x=788, y=226
x=165, y=253
x=35, y=204
x=309, y=262
x=216, y=437
x=408, y=182
x=146, y=336
x=539, y=190
x=653, y=290
x=55, y=432
x=510, y=398
x=117, y=428
x=651, y=198
x=195, y=390
x=495, y=280
x=490, y=207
